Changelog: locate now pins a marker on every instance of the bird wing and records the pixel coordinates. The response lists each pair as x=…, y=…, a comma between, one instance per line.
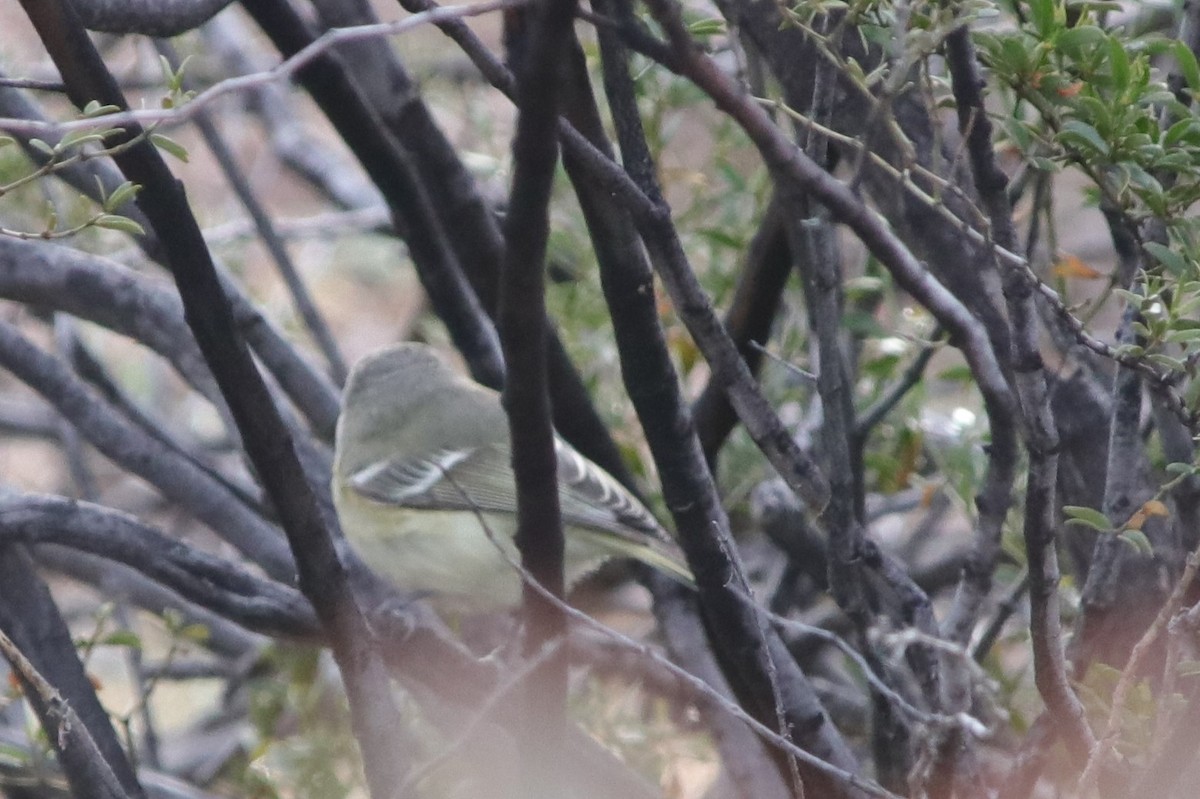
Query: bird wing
x=449, y=479
x=481, y=479
x=591, y=497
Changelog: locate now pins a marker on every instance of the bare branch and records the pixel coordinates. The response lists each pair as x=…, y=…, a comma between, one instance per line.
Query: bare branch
x=288, y=68
x=148, y=17
x=210, y=582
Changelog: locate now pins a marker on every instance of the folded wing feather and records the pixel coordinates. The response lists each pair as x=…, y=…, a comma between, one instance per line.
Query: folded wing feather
x=481, y=479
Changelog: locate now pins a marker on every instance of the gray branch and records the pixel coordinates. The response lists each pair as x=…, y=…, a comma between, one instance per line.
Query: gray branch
x=147, y=17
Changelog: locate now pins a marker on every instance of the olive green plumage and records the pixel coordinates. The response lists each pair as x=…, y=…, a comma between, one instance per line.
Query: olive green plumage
x=423, y=462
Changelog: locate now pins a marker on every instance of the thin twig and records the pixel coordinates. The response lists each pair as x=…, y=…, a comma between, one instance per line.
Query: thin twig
x=701, y=688
x=69, y=731
x=1107, y=741
x=301, y=298
x=281, y=72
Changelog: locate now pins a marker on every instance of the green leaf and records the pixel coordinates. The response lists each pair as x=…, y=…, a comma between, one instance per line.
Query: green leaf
x=168, y=74
x=169, y=145
x=1183, y=336
x=1172, y=261
x=1094, y=5
x=865, y=286
x=957, y=374
x=1042, y=14
x=1088, y=517
x=723, y=237
x=882, y=367
x=126, y=638
x=1143, y=180
x=1191, y=394
x=1178, y=131
x=1083, y=136
x=1118, y=62
x=1136, y=300
x=94, y=109
x=121, y=223
x=1015, y=56
x=865, y=325
x=1081, y=40
x=1138, y=540
x=989, y=45
x=1186, y=60
x=1167, y=362
x=77, y=138
x=1047, y=165
x=197, y=633
x=855, y=70
x=1019, y=132
x=713, y=26
x=1177, y=161
x=1180, y=468
x=121, y=195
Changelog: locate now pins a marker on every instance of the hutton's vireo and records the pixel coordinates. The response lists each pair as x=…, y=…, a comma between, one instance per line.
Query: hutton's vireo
x=423, y=454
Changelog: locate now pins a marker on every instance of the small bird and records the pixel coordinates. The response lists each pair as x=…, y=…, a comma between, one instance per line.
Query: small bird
x=423, y=462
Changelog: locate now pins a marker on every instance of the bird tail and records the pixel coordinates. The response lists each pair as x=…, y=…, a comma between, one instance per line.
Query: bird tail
x=661, y=555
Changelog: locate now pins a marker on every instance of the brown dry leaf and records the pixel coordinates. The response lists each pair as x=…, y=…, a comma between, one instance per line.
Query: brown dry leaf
x=1156, y=508
x=1073, y=266
x=1151, y=507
